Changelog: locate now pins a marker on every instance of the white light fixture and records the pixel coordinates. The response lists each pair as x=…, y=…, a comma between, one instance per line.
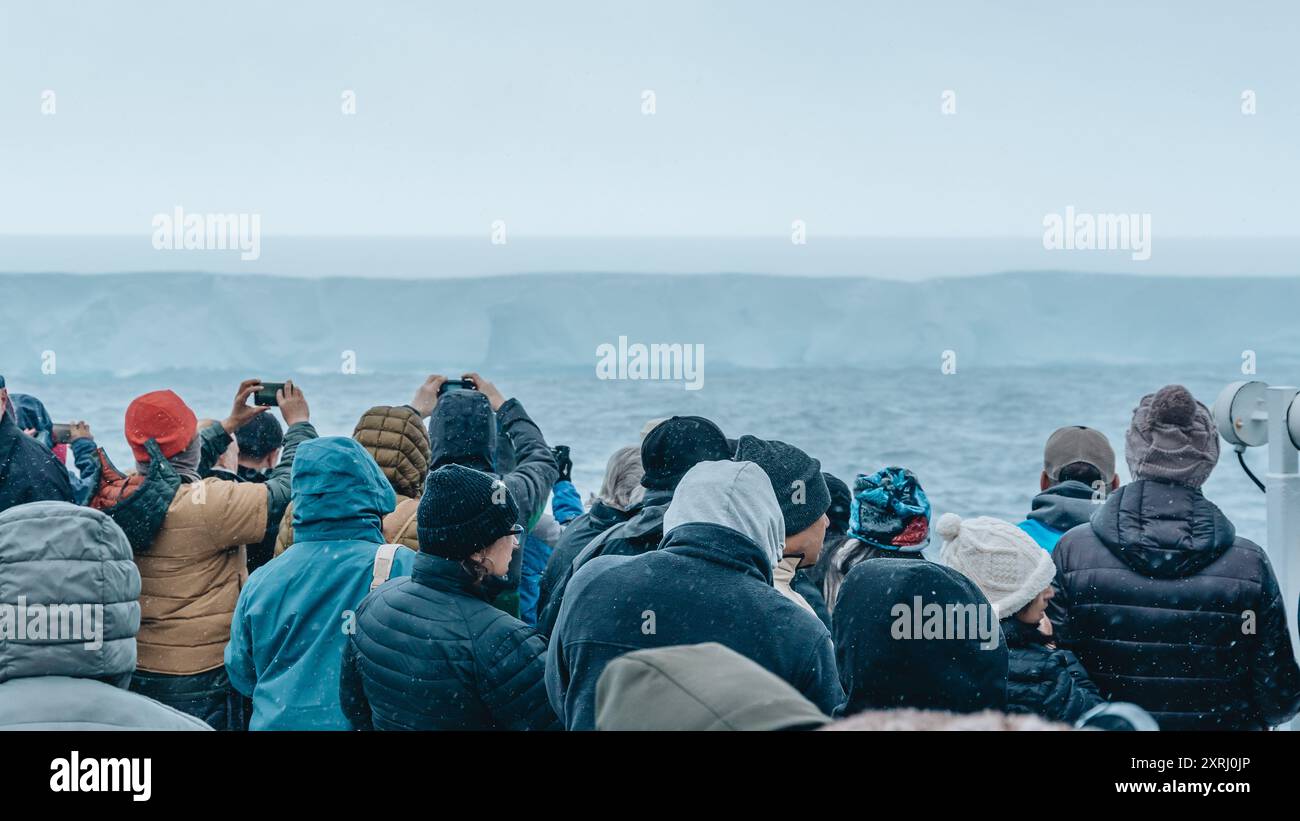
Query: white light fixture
x=1241, y=414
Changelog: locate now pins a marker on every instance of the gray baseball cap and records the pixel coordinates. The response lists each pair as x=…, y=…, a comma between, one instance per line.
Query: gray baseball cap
x=1077, y=443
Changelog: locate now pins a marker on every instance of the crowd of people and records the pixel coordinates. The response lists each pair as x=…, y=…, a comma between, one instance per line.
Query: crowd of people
x=439, y=570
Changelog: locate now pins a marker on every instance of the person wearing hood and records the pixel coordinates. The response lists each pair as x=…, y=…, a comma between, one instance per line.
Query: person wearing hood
x=698, y=687
x=669, y=449
x=64, y=682
x=710, y=580
x=804, y=496
x=463, y=431
x=430, y=652
x=889, y=517
x=911, y=633
x=28, y=470
x=188, y=536
x=395, y=437
x=293, y=616
x=1159, y=598
x=1078, y=472
x=619, y=499
x=1015, y=574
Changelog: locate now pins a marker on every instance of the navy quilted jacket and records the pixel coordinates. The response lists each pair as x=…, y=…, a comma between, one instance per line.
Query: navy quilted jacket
x=1166, y=607
x=430, y=653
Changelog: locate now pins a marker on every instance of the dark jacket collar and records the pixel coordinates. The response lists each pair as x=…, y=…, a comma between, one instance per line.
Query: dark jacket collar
x=1163, y=530
x=606, y=515
x=721, y=546
x=446, y=575
x=1019, y=634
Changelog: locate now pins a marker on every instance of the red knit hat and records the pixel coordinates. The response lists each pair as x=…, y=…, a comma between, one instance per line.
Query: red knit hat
x=163, y=416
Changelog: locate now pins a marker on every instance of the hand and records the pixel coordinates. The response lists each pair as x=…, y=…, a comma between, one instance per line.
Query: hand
x=242, y=412
x=426, y=396
x=1045, y=625
x=494, y=397
x=30, y=432
x=293, y=406
x=79, y=430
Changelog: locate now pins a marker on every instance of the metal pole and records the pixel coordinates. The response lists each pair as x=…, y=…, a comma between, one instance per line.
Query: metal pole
x=1283, y=501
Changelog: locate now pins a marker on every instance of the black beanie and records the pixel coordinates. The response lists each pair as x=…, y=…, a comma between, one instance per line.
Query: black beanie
x=260, y=435
x=796, y=479
x=841, y=502
x=675, y=446
x=463, y=511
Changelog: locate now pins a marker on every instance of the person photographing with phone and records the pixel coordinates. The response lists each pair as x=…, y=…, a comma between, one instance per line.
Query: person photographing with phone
x=463, y=427
x=187, y=536
x=255, y=448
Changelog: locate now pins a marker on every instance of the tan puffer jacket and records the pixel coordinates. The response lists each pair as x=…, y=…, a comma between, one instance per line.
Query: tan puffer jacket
x=396, y=437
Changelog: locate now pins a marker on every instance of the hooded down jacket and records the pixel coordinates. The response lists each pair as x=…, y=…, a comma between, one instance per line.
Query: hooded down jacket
x=396, y=438
x=893, y=653
x=1167, y=608
x=430, y=653
x=698, y=687
x=710, y=581
x=286, y=641
x=74, y=564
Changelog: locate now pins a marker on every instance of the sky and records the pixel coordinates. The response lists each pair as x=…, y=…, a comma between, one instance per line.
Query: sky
x=764, y=113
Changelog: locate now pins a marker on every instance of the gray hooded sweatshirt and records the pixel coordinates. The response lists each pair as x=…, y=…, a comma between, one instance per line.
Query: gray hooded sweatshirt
x=69, y=613
x=710, y=580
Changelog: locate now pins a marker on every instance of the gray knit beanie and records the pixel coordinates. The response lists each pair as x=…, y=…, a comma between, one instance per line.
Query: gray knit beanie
x=1172, y=438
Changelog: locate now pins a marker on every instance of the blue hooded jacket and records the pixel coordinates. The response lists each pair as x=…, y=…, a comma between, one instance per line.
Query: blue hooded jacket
x=295, y=613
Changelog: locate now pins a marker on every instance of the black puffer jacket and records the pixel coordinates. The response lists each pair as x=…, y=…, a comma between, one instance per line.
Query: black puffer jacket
x=1167, y=608
x=639, y=534
x=1044, y=679
x=28, y=470
x=430, y=653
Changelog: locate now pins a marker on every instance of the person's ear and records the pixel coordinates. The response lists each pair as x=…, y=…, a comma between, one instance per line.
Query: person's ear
x=1044, y=482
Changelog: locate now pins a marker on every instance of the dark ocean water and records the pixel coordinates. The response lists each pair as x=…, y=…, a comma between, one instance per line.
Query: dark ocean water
x=974, y=438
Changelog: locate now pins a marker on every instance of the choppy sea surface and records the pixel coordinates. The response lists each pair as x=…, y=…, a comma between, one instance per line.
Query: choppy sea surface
x=974, y=437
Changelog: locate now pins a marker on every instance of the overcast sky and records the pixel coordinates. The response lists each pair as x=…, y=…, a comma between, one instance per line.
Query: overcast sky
x=532, y=113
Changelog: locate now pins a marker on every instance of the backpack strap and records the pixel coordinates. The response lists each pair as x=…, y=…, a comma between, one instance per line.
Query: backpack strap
x=383, y=564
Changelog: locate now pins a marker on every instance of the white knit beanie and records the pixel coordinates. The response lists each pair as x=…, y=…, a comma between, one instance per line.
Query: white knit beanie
x=1004, y=562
